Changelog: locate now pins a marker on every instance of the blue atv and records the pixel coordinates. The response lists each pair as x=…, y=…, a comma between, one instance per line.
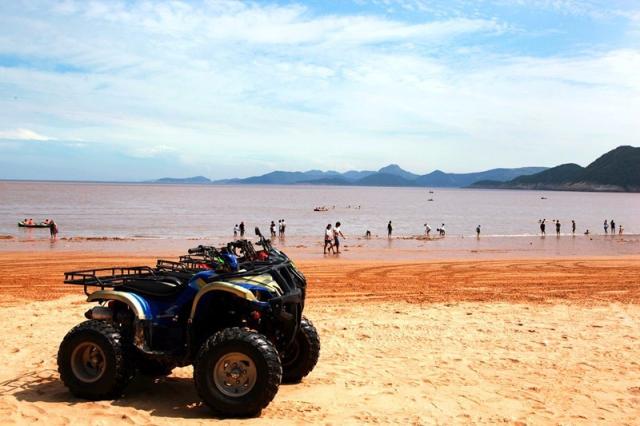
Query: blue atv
x=233, y=313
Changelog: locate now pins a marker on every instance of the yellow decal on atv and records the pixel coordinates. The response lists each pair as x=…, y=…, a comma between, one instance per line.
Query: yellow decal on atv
x=126, y=298
x=265, y=281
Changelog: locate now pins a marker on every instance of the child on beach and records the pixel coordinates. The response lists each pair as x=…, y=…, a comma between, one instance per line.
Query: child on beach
x=328, y=239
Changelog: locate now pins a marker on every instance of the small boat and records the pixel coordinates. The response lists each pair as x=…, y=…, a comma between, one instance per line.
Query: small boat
x=430, y=192
x=543, y=198
x=430, y=199
x=321, y=209
x=33, y=225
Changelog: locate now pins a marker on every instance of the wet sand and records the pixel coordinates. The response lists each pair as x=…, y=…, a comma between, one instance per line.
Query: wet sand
x=537, y=341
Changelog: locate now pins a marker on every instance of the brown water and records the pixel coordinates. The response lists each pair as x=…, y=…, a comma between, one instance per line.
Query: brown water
x=145, y=211
x=167, y=219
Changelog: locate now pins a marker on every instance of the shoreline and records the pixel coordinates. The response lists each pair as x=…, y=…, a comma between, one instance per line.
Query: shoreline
x=360, y=248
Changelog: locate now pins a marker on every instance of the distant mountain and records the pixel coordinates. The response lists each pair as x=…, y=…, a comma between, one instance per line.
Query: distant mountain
x=395, y=170
x=354, y=175
x=457, y=180
x=190, y=180
x=384, y=179
x=391, y=175
x=617, y=170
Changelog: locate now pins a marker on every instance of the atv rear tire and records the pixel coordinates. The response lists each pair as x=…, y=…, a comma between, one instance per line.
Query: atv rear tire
x=237, y=372
x=302, y=356
x=92, y=362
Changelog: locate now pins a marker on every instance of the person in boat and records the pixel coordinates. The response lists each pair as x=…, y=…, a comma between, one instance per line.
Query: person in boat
x=328, y=239
x=30, y=222
x=46, y=222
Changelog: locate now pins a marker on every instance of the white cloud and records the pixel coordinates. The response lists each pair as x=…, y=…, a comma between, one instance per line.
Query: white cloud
x=24, y=135
x=152, y=151
x=243, y=83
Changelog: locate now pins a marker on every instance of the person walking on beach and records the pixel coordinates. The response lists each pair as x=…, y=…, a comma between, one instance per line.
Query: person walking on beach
x=606, y=226
x=427, y=230
x=337, y=233
x=543, y=227
x=478, y=231
x=573, y=227
x=558, y=227
x=613, y=227
x=328, y=239
x=241, y=229
x=389, y=230
x=272, y=228
x=236, y=229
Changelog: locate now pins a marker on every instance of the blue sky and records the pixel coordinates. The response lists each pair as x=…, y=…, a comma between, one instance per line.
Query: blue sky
x=123, y=90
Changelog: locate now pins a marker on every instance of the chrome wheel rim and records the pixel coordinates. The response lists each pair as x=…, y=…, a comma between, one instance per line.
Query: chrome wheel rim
x=88, y=362
x=235, y=374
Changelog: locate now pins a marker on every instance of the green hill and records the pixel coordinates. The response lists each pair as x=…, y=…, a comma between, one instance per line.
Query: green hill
x=617, y=170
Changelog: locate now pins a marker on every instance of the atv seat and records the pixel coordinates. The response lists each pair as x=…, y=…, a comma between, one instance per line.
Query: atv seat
x=155, y=287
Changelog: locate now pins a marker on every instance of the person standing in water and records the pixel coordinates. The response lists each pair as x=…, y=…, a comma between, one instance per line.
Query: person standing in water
x=543, y=227
x=613, y=227
x=272, y=228
x=427, y=230
x=242, y=229
x=337, y=233
x=478, y=231
x=236, y=228
x=558, y=227
x=53, y=228
x=573, y=227
x=389, y=230
x=284, y=227
x=606, y=227
x=328, y=239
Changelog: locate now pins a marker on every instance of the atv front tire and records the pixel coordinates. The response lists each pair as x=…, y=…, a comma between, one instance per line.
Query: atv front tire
x=302, y=356
x=92, y=362
x=237, y=372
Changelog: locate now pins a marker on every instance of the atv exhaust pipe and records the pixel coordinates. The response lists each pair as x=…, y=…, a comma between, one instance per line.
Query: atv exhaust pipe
x=99, y=313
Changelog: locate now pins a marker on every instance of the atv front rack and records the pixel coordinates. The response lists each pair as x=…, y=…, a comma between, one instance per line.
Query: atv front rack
x=107, y=277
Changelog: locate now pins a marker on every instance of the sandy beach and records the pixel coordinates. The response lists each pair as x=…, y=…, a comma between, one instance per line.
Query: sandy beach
x=538, y=341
